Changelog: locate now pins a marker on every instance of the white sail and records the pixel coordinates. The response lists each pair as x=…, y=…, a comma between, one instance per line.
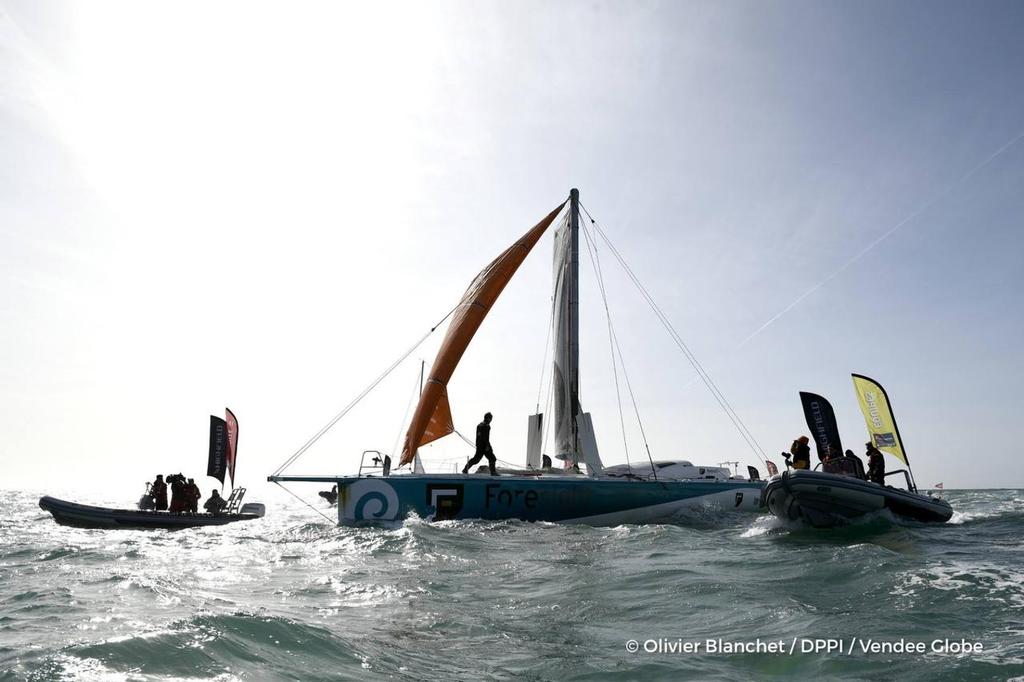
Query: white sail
x=566, y=338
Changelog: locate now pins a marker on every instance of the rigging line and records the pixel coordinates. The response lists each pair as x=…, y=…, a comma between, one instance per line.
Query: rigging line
x=716, y=393
x=705, y=378
x=625, y=373
x=636, y=409
x=408, y=406
x=468, y=441
x=701, y=372
x=319, y=434
x=547, y=410
x=591, y=250
x=544, y=360
x=863, y=252
x=329, y=519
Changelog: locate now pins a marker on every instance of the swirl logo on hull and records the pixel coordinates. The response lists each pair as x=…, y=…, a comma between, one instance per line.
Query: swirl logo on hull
x=370, y=500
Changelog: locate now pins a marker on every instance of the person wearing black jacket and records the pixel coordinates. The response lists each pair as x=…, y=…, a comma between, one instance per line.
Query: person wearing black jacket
x=159, y=492
x=483, y=446
x=876, y=464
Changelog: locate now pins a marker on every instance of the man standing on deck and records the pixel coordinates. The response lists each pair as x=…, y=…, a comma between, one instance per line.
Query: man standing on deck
x=876, y=464
x=159, y=490
x=483, y=446
x=193, y=495
x=216, y=504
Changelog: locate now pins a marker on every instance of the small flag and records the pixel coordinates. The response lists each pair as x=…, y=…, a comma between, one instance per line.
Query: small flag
x=772, y=469
x=231, y=423
x=938, y=486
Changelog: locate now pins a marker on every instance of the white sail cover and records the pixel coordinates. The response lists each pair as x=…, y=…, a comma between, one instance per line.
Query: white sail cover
x=566, y=348
x=534, y=439
x=588, y=444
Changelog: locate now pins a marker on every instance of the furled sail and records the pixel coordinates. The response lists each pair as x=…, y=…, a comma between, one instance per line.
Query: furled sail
x=433, y=417
x=566, y=347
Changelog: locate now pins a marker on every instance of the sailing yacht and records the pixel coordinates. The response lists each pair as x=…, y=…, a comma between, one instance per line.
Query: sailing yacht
x=583, y=490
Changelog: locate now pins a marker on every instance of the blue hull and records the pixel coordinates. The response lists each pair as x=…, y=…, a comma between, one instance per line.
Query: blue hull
x=563, y=499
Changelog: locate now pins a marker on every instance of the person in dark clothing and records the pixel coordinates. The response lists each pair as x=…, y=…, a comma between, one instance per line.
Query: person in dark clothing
x=216, y=504
x=159, y=491
x=800, y=452
x=147, y=502
x=876, y=464
x=856, y=463
x=483, y=446
x=193, y=494
x=831, y=452
x=846, y=465
x=179, y=498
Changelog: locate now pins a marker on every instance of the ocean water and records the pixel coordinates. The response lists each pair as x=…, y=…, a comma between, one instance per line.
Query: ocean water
x=294, y=597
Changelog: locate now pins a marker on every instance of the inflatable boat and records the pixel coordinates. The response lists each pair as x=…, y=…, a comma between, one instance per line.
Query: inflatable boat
x=86, y=516
x=829, y=499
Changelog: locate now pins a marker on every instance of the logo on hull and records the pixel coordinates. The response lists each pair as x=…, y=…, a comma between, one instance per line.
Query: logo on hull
x=446, y=499
x=369, y=500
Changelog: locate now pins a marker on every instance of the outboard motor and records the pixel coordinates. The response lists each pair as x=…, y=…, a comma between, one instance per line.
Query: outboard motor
x=148, y=501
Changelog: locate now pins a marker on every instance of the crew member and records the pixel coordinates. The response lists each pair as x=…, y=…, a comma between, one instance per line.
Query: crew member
x=193, y=495
x=876, y=464
x=159, y=491
x=483, y=446
x=216, y=504
x=801, y=453
x=179, y=499
x=857, y=463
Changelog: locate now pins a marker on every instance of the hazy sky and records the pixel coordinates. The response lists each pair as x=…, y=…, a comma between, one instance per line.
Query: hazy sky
x=263, y=205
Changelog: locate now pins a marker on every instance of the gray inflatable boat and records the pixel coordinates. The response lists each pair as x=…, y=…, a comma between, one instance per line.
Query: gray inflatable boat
x=827, y=499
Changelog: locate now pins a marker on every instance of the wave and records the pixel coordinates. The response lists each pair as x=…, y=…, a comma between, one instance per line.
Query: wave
x=212, y=646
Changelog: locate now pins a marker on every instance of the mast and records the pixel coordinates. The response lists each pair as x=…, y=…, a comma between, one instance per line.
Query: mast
x=574, y=319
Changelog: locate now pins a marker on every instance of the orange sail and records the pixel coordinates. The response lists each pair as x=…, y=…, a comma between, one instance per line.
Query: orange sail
x=433, y=416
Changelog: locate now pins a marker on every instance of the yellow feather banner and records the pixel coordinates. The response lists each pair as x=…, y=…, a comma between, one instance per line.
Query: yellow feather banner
x=874, y=403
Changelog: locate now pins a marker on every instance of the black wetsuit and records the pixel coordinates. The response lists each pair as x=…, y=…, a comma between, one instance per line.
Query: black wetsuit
x=159, y=491
x=483, y=448
x=876, y=466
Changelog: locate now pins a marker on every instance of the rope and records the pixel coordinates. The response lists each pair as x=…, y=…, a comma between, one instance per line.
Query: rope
x=625, y=373
x=329, y=519
x=716, y=393
x=591, y=251
x=636, y=409
x=319, y=434
x=408, y=406
x=467, y=441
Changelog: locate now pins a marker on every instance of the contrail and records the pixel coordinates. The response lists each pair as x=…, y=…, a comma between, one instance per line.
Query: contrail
x=860, y=254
